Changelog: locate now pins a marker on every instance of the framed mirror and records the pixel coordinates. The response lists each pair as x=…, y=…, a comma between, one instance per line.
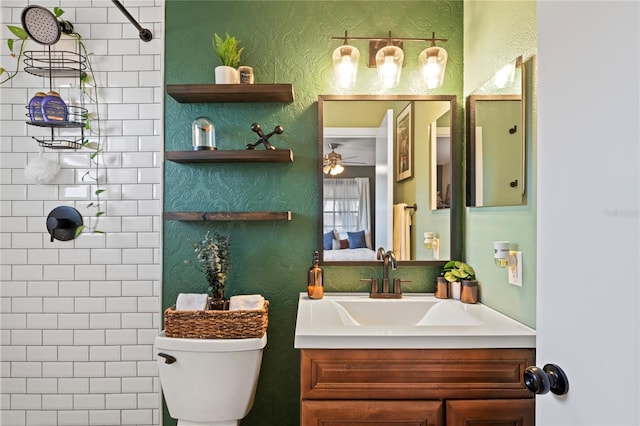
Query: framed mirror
x=385, y=178
x=496, y=140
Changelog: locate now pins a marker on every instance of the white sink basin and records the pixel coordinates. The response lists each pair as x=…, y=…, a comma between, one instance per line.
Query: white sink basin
x=418, y=320
x=401, y=312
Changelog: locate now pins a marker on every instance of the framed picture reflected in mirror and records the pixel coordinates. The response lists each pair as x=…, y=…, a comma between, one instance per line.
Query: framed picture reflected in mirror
x=404, y=143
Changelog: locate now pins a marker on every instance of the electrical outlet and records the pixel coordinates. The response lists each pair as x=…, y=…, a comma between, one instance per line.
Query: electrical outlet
x=515, y=268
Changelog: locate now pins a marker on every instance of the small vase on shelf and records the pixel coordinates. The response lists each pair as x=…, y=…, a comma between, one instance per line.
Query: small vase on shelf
x=226, y=75
x=245, y=75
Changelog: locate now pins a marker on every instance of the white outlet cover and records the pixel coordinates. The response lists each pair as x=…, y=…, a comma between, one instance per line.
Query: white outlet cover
x=515, y=270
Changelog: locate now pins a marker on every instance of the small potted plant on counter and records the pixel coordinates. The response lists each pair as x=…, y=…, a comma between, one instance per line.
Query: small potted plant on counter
x=229, y=53
x=460, y=274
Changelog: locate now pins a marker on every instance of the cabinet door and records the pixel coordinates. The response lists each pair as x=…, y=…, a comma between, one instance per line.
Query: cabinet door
x=490, y=412
x=371, y=413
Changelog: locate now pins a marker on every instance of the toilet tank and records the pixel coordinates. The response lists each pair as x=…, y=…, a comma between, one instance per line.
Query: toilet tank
x=211, y=379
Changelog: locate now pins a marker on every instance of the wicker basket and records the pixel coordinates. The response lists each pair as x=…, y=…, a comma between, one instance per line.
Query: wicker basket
x=238, y=324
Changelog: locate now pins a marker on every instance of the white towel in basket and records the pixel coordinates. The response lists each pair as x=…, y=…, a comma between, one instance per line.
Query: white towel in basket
x=246, y=302
x=191, y=302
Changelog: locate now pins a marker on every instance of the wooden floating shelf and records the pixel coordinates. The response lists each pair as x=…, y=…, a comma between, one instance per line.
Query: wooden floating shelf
x=226, y=216
x=206, y=93
x=231, y=156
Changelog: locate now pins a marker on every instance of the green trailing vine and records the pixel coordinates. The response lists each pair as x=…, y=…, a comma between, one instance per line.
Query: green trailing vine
x=92, y=125
x=22, y=37
x=92, y=122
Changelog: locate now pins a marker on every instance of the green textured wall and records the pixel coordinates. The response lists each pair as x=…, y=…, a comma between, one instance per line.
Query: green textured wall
x=285, y=42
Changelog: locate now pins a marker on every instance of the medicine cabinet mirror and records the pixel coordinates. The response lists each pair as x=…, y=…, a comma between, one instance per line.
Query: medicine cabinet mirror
x=385, y=178
x=496, y=140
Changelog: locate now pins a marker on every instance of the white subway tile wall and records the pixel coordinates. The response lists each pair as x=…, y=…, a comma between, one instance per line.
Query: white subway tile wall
x=78, y=319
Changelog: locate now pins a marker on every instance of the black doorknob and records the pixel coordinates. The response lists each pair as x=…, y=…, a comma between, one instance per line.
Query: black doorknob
x=550, y=378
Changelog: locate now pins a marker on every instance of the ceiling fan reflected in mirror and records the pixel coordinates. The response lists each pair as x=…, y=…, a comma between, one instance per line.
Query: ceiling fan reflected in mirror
x=333, y=163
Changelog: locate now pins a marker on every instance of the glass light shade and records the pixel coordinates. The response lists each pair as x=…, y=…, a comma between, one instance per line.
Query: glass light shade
x=433, y=62
x=345, y=65
x=389, y=61
x=336, y=170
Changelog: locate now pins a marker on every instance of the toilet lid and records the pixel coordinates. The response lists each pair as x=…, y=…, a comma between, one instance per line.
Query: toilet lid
x=209, y=345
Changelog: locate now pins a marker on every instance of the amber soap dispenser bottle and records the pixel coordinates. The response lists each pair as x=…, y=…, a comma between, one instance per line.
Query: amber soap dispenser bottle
x=315, y=286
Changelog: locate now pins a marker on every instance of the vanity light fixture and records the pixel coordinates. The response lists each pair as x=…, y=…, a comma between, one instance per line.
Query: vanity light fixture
x=387, y=56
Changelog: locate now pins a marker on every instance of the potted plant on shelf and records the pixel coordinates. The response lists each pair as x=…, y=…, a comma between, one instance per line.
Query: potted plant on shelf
x=229, y=53
x=213, y=260
x=456, y=272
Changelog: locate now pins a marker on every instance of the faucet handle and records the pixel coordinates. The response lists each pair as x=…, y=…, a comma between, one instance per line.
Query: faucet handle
x=396, y=285
x=374, y=284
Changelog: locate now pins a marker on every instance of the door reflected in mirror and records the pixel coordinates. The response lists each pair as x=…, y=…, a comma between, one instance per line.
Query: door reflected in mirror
x=385, y=177
x=496, y=140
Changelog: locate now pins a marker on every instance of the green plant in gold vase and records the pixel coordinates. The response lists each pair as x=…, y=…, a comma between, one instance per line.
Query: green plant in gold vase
x=459, y=274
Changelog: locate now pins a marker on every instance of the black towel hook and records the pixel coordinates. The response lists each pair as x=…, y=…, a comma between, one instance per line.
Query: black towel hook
x=145, y=34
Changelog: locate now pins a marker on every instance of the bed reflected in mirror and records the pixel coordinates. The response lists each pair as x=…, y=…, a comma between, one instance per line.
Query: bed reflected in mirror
x=385, y=177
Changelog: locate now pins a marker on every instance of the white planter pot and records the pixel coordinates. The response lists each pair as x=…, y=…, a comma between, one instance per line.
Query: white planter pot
x=226, y=75
x=455, y=290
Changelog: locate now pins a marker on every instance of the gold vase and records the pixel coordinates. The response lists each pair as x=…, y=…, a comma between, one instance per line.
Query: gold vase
x=442, y=288
x=469, y=293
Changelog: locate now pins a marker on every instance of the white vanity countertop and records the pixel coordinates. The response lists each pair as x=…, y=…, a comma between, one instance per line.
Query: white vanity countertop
x=417, y=321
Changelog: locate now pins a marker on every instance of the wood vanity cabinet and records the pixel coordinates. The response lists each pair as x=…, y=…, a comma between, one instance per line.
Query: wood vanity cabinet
x=434, y=387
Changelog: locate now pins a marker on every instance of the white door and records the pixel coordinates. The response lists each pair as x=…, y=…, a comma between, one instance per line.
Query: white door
x=588, y=270
x=384, y=183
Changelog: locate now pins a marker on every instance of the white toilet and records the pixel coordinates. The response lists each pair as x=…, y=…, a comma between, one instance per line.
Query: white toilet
x=209, y=382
